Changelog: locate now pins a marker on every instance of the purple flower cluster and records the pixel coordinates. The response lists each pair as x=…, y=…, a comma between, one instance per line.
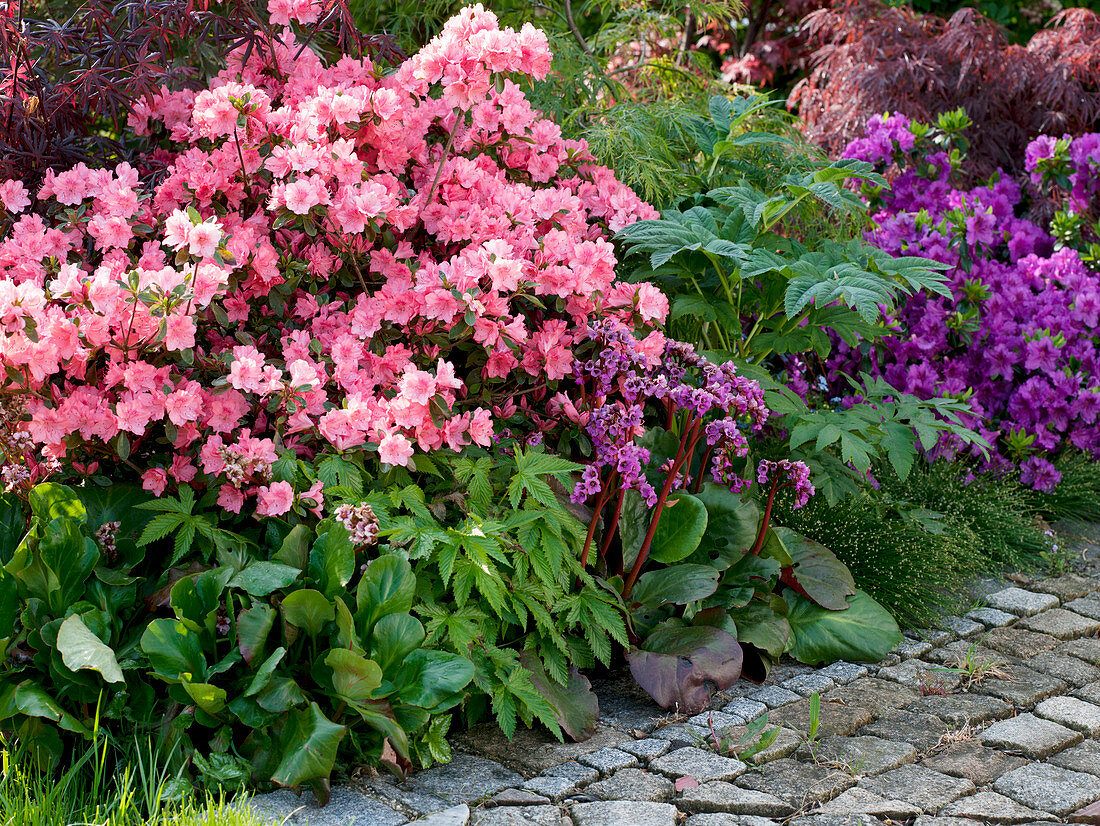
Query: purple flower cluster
x=1019, y=338
x=621, y=379
x=796, y=474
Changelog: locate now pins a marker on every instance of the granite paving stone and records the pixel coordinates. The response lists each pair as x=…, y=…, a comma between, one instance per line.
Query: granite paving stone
x=1066, y=587
x=1060, y=623
x=773, y=696
x=959, y=710
x=933, y=636
x=1072, y=713
x=917, y=673
x=1030, y=736
x=465, y=779
x=979, y=764
x=834, y=718
x=1085, y=648
x=746, y=708
x=633, y=784
x=927, y=789
x=1024, y=689
x=347, y=806
x=843, y=672
x=723, y=819
x=836, y=820
x=455, y=816
x=518, y=816
x=807, y=684
x=961, y=626
x=645, y=749
x=621, y=812
x=1084, y=757
x=922, y=731
x=798, y=783
x=554, y=788
x=1089, y=693
x=991, y=617
x=517, y=797
x=606, y=761
x=531, y=750
x=1087, y=607
x=1049, y=788
x=577, y=772
x=990, y=807
x=931, y=820
x=1070, y=670
x=738, y=740
x=912, y=648
x=695, y=762
x=1018, y=642
x=718, y=720
x=720, y=796
x=877, y=696
x=406, y=797
x=1020, y=602
x=861, y=801
x=958, y=654
x=680, y=732
x=865, y=755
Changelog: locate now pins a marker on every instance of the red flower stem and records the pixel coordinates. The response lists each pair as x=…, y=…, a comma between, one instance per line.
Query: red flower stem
x=702, y=469
x=601, y=500
x=643, y=552
x=755, y=550
x=612, y=526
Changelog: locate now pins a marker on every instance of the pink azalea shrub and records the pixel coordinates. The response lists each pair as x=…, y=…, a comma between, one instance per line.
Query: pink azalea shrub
x=336, y=258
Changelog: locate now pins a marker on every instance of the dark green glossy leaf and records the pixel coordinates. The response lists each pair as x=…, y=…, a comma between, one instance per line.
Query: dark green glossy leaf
x=307, y=747
x=354, y=677
x=394, y=637
x=677, y=584
x=174, y=651
x=816, y=572
x=388, y=586
x=864, y=632
x=679, y=530
x=429, y=678
x=261, y=578
x=308, y=609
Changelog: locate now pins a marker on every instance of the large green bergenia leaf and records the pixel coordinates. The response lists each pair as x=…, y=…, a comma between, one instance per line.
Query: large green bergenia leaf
x=81, y=649
x=679, y=530
x=309, y=610
x=174, y=650
x=816, y=572
x=731, y=524
x=49, y=501
x=388, y=586
x=308, y=747
x=433, y=678
x=261, y=578
x=353, y=676
x=863, y=632
x=676, y=585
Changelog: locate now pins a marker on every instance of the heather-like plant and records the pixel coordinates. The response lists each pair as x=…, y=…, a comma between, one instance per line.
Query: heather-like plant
x=1017, y=336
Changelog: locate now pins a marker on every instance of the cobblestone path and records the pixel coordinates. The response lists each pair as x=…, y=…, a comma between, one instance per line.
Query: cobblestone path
x=995, y=718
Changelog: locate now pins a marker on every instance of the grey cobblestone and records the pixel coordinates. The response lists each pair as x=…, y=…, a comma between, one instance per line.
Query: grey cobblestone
x=1087, y=607
x=1020, y=602
x=991, y=617
x=647, y=749
x=843, y=673
x=1030, y=736
x=718, y=720
x=1060, y=623
x=912, y=648
x=746, y=708
x=927, y=789
x=719, y=796
x=1070, y=670
x=1066, y=587
x=606, y=761
x=694, y=762
x=1049, y=788
x=1081, y=758
x=807, y=684
x=961, y=626
x=555, y=788
x=773, y=696
x=1072, y=713
x=990, y=807
x=619, y=812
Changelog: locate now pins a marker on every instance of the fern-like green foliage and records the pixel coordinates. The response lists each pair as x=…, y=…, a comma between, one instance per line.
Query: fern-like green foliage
x=497, y=556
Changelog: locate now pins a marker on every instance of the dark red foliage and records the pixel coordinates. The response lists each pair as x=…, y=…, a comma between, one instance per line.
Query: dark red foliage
x=871, y=59
x=66, y=85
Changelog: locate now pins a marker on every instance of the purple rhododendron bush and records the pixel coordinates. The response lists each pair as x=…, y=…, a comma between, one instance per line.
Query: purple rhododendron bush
x=334, y=423
x=1018, y=338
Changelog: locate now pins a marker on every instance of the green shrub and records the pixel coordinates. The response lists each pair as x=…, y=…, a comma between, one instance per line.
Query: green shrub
x=266, y=656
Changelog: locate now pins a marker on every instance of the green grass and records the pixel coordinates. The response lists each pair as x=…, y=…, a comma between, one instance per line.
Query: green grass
x=106, y=787
x=1077, y=496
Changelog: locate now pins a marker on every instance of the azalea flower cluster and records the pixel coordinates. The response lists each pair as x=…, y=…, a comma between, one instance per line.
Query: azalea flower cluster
x=337, y=257
x=1019, y=338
